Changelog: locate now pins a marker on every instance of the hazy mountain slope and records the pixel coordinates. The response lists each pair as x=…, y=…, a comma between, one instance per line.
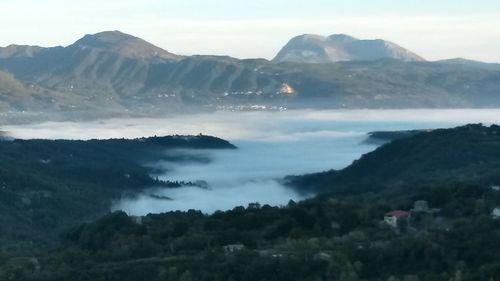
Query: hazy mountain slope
x=13, y=51
x=123, y=44
x=460, y=62
x=116, y=77
x=101, y=61
x=116, y=72
x=390, y=84
x=96, y=71
x=311, y=48
x=378, y=84
x=8, y=83
x=12, y=92
x=222, y=80
x=24, y=97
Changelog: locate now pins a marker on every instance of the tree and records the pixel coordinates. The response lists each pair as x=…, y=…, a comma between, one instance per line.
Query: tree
x=186, y=276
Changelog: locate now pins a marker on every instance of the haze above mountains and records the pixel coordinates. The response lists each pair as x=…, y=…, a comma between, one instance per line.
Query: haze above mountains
x=116, y=72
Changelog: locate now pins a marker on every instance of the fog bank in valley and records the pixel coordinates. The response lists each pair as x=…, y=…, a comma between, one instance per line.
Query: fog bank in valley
x=271, y=145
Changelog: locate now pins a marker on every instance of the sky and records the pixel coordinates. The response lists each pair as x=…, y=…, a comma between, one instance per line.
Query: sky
x=434, y=29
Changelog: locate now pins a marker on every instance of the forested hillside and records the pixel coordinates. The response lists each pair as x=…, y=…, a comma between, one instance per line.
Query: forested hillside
x=465, y=154
x=47, y=186
x=342, y=234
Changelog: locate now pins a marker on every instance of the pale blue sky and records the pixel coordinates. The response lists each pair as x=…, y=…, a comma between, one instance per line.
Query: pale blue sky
x=231, y=9
x=435, y=29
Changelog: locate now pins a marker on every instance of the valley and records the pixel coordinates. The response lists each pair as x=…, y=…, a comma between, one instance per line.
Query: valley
x=320, y=157
x=339, y=231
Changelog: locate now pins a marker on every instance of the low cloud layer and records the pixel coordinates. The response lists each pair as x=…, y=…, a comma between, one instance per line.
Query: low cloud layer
x=210, y=200
x=271, y=146
x=258, y=125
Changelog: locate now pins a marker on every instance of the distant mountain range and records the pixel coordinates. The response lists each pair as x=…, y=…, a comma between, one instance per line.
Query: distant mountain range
x=116, y=72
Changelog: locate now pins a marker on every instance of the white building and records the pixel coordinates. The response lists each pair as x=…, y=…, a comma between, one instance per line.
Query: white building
x=393, y=217
x=496, y=213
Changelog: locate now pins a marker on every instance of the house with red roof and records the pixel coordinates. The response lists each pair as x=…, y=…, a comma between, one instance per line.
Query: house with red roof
x=392, y=218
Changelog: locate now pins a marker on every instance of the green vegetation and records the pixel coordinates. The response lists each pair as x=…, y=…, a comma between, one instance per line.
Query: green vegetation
x=320, y=239
x=469, y=154
x=381, y=137
x=49, y=185
x=339, y=235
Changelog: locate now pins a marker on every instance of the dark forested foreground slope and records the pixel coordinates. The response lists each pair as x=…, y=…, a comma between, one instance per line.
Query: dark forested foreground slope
x=465, y=154
x=50, y=185
x=340, y=235
x=112, y=72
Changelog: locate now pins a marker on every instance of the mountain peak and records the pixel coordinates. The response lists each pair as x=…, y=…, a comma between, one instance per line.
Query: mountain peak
x=306, y=37
x=343, y=38
x=105, y=38
x=311, y=48
x=124, y=44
